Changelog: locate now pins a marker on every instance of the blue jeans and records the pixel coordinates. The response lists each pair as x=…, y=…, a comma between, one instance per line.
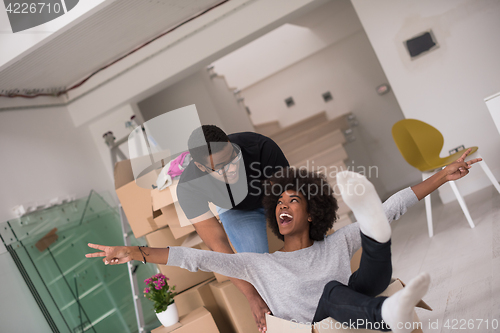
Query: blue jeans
x=246, y=229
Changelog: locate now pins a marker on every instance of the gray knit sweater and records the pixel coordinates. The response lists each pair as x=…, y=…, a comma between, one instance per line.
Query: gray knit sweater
x=291, y=283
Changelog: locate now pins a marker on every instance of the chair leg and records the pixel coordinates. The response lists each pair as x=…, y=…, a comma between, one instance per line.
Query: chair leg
x=428, y=211
x=462, y=203
x=490, y=175
x=428, y=207
x=486, y=170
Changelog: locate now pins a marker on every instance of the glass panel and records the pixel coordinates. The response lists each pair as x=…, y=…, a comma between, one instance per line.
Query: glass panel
x=76, y=293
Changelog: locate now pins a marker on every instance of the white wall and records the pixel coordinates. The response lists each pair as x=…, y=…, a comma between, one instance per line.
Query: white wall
x=445, y=88
x=288, y=44
x=214, y=102
x=43, y=156
x=349, y=69
x=233, y=114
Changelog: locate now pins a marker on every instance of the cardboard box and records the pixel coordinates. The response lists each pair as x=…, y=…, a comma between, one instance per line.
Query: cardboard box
x=330, y=325
x=234, y=306
x=167, y=211
x=135, y=200
x=180, y=277
x=199, y=320
x=198, y=296
x=178, y=223
x=162, y=198
x=193, y=240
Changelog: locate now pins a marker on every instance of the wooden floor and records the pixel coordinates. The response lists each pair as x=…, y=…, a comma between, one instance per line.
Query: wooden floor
x=464, y=263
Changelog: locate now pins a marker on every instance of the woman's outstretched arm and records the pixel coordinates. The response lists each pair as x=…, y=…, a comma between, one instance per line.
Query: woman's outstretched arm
x=114, y=255
x=231, y=265
x=400, y=202
x=454, y=171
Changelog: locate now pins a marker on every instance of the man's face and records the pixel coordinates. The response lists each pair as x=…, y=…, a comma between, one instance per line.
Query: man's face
x=225, y=164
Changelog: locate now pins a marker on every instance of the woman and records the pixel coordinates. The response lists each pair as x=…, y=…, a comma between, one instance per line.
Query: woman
x=309, y=279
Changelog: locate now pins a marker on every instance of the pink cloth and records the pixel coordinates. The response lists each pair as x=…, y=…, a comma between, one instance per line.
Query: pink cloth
x=176, y=168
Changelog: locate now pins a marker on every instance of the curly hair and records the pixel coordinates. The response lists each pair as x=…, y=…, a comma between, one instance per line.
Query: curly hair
x=198, y=142
x=321, y=205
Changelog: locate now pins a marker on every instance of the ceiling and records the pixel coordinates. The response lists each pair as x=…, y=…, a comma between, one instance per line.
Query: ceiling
x=84, y=47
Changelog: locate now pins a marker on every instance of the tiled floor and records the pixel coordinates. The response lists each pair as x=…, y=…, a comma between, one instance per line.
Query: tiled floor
x=464, y=263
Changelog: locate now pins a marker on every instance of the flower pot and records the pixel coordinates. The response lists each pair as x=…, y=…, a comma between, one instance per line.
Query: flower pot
x=170, y=316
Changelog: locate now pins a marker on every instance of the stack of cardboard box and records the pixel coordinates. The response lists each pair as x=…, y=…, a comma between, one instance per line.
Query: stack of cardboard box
x=201, y=298
x=152, y=213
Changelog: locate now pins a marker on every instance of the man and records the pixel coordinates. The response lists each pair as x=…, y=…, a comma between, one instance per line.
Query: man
x=228, y=170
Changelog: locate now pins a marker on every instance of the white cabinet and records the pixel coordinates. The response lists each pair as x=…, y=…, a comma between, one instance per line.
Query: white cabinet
x=493, y=104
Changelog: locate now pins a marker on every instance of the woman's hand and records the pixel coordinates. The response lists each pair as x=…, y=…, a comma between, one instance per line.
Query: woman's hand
x=114, y=254
x=460, y=168
x=453, y=171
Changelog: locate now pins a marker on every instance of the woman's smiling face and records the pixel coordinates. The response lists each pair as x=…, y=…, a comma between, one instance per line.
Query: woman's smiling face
x=291, y=213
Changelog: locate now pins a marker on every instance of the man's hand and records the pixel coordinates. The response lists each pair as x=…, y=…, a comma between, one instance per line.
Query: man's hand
x=460, y=168
x=259, y=309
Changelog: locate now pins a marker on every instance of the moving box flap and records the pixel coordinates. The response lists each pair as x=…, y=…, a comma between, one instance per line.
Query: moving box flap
x=177, y=220
x=152, y=223
x=123, y=173
x=162, y=238
x=275, y=324
x=161, y=198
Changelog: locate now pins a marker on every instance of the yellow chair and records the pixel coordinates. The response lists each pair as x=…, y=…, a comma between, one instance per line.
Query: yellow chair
x=420, y=144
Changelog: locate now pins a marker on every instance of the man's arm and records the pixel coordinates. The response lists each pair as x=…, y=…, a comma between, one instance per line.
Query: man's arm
x=214, y=236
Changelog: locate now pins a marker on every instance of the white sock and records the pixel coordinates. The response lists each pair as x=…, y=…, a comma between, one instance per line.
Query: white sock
x=360, y=195
x=398, y=309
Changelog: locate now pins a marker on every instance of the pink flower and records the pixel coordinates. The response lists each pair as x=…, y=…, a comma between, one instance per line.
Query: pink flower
x=158, y=288
x=159, y=276
x=148, y=281
x=146, y=291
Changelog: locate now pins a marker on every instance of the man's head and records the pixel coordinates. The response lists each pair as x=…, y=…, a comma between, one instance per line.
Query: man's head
x=213, y=153
x=296, y=197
